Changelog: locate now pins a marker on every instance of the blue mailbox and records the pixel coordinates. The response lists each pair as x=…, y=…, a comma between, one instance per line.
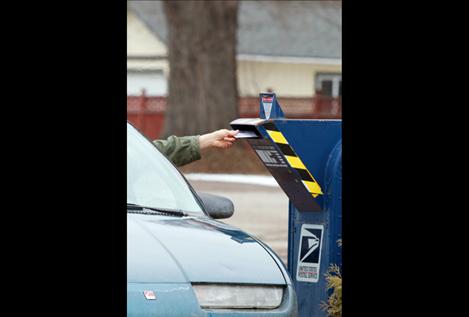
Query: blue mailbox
x=305, y=157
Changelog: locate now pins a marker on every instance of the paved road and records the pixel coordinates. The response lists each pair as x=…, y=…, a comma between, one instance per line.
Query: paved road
x=259, y=210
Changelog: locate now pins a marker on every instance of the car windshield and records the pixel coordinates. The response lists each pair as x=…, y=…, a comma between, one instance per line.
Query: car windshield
x=152, y=180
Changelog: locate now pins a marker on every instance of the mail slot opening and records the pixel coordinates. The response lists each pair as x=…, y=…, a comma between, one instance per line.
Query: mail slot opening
x=246, y=131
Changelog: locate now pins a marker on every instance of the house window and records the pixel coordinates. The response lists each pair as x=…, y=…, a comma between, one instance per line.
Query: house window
x=329, y=84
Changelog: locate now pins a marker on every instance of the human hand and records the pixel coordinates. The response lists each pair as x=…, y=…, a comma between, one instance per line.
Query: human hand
x=222, y=139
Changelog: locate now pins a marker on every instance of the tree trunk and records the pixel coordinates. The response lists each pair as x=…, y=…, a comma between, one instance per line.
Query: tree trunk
x=203, y=93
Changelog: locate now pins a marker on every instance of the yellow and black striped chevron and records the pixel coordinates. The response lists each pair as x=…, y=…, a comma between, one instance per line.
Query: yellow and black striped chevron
x=293, y=159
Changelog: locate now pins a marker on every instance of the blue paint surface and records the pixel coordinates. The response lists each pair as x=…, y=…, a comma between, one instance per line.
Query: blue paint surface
x=167, y=254
x=195, y=249
x=319, y=145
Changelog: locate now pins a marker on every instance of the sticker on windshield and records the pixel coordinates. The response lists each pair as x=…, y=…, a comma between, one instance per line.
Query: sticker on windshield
x=309, y=255
x=267, y=105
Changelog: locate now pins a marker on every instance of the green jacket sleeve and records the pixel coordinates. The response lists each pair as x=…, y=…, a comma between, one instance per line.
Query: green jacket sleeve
x=180, y=150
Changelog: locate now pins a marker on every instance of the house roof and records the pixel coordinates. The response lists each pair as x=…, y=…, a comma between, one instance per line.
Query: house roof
x=304, y=29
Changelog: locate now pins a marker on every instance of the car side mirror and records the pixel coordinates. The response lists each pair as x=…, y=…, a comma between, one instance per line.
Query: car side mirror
x=216, y=206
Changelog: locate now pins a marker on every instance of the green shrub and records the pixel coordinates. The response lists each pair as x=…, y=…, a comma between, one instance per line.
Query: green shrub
x=333, y=307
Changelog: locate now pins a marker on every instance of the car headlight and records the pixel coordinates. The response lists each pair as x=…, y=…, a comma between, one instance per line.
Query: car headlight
x=220, y=296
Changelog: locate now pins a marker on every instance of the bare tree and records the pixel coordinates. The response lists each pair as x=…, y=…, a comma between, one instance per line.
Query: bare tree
x=202, y=57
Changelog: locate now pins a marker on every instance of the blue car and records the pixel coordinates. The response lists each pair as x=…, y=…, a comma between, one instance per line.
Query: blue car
x=183, y=262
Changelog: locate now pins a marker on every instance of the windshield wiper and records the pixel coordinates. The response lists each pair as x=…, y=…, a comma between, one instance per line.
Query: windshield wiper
x=134, y=208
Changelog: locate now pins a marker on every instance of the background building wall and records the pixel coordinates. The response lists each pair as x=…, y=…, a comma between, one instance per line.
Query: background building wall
x=140, y=40
x=285, y=79
x=147, y=66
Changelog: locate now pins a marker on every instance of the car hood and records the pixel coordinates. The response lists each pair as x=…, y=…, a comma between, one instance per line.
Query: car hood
x=163, y=249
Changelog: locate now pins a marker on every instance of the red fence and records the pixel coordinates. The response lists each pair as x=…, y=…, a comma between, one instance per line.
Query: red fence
x=147, y=113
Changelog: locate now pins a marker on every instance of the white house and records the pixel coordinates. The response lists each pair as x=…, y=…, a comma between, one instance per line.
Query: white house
x=291, y=48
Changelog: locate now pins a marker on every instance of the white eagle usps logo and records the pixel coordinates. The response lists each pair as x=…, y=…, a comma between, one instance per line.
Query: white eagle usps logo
x=309, y=255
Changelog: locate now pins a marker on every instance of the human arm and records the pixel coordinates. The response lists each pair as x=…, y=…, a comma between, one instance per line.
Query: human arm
x=186, y=149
